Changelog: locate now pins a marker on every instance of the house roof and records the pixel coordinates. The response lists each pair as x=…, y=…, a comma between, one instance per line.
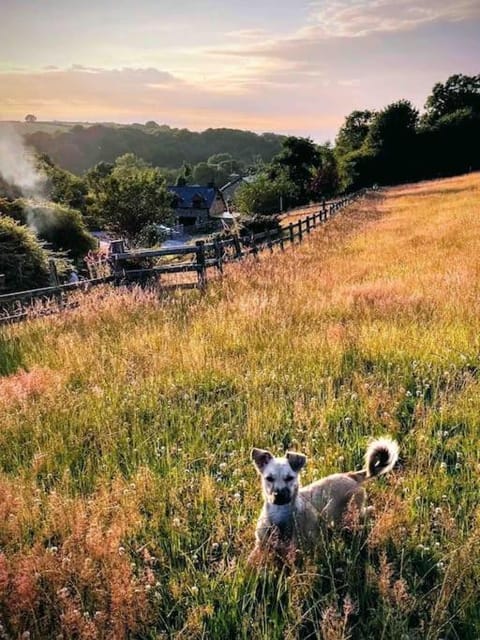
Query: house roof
x=187, y=194
x=238, y=180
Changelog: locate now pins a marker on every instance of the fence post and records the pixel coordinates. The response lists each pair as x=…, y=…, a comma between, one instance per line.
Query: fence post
x=237, y=246
x=308, y=224
x=269, y=240
x=218, y=255
x=254, y=245
x=291, y=233
x=201, y=267
x=300, y=232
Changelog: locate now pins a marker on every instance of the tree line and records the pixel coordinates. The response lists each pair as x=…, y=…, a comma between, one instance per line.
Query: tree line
x=394, y=145
x=82, y=147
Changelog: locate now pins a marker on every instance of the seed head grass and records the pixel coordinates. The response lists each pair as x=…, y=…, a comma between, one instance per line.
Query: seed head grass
x=127, y=498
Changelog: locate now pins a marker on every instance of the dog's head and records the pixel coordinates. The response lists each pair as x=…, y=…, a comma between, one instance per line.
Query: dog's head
x=279, y=476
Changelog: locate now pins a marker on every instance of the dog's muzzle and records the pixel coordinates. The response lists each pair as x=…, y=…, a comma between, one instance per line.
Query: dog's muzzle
x=282, y=496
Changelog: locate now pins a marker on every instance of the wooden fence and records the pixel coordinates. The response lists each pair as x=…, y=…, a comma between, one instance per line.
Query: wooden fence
x=196, y=260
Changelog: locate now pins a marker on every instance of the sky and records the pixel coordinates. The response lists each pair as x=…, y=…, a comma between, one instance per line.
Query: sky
x=289, y=66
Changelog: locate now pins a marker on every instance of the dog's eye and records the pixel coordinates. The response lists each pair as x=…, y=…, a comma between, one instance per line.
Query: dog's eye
x=288, y=478
x=269, y=478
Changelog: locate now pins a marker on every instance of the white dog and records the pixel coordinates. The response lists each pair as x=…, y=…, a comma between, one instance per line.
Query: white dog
x=291, y=513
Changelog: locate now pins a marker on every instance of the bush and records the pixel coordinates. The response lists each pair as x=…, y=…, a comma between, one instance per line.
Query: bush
x=259, y=224
x=23, y=261
x=63, y=228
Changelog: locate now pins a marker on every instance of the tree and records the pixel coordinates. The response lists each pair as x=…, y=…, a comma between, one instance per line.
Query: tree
x=325, y=181
x=129, y=196
x=458, y=92
x=392, y=126
x=450, y=146
x=128, y=165
x=23, y=261
x=203, y=173
x=298, y=159
x=391, y=140
x=63, y=187
x=217, y=158
x=353, y=132
x=184, y=175
x=263, y=196
x=30, y=118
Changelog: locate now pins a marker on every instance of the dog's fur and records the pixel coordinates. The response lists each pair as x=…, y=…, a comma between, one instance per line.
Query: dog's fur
x=294, y=514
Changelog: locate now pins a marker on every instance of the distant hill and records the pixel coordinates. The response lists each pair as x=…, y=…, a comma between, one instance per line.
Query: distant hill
x=77, y=147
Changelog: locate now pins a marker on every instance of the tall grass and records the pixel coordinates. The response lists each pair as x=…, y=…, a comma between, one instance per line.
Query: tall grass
x=127, y=499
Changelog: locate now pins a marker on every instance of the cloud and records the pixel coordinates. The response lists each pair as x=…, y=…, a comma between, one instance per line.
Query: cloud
x=79, y=85
x=344, y=18
x=126, y=95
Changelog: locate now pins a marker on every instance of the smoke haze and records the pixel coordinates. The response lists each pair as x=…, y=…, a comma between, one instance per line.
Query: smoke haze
x=17, y=165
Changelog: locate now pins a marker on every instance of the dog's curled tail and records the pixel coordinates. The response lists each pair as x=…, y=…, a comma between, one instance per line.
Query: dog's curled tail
x=381, y=456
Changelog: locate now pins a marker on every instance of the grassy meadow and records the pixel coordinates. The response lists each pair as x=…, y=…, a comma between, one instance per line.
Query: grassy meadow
x=127, y=497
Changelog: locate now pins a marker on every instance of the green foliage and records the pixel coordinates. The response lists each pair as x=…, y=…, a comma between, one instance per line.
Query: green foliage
x=353, y=132
x=392, y=128
x=62, y=228
x=263, y=195
x=81, y=148
x=457, y=93
x=151, y=235
x=128, y=195
x=63, y=187
x=203, y=174
x=184, y=175
x=23, y=260
x=325, y=182
x=394, y=145
x=298, y=159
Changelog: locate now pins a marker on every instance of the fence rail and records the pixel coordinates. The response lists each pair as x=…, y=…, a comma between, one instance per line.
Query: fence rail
x=195, y=259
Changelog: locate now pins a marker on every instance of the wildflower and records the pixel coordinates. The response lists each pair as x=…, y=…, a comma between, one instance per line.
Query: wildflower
x=194, y=590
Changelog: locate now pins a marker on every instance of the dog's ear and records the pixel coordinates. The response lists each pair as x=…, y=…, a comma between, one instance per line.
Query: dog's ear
x=296, y=460
x=261, y=458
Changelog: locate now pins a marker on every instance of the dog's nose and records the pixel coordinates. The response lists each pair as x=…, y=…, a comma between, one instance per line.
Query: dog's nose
x=281, y=496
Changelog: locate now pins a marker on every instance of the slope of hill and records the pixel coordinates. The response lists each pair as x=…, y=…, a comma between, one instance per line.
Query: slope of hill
x=78, y=147
x=128, y=497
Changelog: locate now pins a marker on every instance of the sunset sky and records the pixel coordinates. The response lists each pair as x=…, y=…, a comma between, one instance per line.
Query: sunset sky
x=293, y=67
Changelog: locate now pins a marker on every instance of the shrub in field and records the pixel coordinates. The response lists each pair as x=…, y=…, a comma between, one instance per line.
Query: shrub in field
x=23, y=261
x=62, y=228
